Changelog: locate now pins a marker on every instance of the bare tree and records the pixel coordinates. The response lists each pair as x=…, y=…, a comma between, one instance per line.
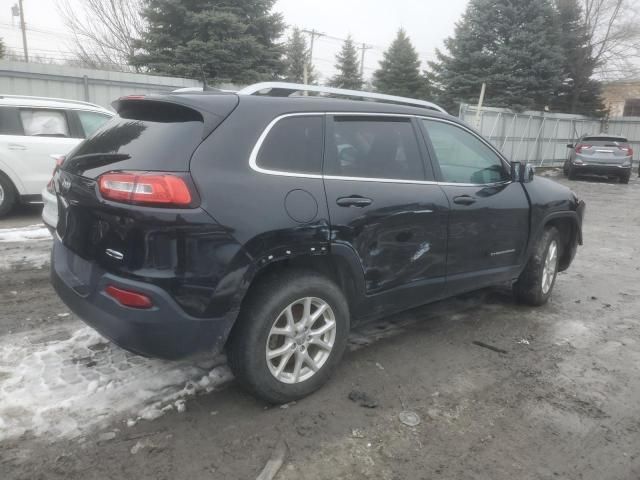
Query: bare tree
x=614, y=28
x=105, y=31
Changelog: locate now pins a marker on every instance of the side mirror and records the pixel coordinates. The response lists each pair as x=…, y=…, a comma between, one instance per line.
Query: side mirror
x=516, y=171
x=529, y=171
x=569, y=145
x=522, y=173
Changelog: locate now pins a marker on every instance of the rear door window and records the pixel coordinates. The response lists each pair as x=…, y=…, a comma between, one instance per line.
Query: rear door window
x=44, y=123
x=372, y=147
x=91, y=121
x=294, y=145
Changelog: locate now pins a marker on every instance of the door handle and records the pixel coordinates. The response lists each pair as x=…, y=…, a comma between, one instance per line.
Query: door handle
x=16, y=146
x=464, y=200
x=354, y=201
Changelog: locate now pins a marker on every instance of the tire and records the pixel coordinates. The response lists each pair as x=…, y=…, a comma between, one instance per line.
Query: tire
x=625, y=178
x=266, y=309
x=8, y=195
x=571, y=175
x=534, y=287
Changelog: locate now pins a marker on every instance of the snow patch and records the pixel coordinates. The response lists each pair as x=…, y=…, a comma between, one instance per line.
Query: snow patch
x=65, y=388
x=25, y=234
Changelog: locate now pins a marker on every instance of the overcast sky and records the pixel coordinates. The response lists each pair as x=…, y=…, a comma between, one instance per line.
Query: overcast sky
x=374, y=22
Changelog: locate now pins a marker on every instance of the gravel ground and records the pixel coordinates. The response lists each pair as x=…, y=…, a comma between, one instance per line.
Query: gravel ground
x=560, y=402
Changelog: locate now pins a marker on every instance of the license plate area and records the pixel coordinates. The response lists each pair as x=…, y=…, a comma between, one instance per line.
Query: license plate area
x=74, y=270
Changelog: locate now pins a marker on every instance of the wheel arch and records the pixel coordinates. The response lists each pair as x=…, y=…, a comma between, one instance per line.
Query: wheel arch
x=10, y=175
x=340, y=264
x=568, y=226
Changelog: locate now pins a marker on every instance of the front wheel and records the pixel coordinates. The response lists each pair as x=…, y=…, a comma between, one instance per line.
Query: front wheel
x=290, y=336
x=535, y=284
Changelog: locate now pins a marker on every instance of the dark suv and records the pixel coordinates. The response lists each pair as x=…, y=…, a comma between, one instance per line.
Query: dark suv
x=271, y=226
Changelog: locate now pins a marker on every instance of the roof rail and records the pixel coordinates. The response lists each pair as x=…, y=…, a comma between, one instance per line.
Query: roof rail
x=283, y=89
x=65, y=100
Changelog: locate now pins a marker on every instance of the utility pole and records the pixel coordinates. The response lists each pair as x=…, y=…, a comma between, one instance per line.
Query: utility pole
x=480, y=102
x=24, y=32
x=314, y=33
x=364, y=48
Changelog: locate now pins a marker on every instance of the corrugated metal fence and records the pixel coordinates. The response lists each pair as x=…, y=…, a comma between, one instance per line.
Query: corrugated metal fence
x=540, y=137
x=96, y=86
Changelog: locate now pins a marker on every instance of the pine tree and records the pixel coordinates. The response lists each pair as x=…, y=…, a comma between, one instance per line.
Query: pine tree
x=512, y=45
x=296, y=56
x=579, y=92
x=225, y=41
x=348, y=67
x=399, y=72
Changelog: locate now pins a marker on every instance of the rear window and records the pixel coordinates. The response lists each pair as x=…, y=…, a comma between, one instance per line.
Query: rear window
x=145, y=136
x=605, y=139
x=294, y=144
x=91, y=121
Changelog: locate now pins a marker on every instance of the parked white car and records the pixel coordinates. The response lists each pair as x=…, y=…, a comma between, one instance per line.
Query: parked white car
x=31, y=130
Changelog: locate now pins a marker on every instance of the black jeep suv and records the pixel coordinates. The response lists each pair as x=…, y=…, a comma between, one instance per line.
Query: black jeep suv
x=270, y=226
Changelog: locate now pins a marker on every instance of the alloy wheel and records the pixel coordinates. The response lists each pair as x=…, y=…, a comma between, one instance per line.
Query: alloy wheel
x=550, y=267
x=301, y=340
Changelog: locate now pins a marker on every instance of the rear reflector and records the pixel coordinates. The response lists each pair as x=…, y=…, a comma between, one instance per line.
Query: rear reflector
x=129, y=298
x=145, y=188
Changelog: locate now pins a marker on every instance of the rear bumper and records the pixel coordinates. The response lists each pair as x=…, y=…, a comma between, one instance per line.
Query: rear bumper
x=163, y=331
x=602, y=169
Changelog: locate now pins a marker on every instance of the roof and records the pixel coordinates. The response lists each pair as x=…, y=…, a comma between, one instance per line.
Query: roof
x=330, y=104
x=285, y=89
x=30, y=101
x=208, y=100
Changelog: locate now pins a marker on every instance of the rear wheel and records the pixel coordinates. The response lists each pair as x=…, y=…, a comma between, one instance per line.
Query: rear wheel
x=571, y=174
x=290, y=336
x=536, y=282
x=8, y=195
x=625, y=178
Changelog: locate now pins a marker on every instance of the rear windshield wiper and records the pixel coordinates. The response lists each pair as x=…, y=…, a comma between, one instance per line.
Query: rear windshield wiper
x=80, y=163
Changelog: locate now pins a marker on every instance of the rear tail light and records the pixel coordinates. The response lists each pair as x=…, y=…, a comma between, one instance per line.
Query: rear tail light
x=129, y=298
x=582, y=146
x=161, y=189
x=628, y=151
x=59, y=159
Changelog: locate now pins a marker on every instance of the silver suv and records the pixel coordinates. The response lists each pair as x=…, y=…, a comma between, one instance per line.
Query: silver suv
x=602, y=154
